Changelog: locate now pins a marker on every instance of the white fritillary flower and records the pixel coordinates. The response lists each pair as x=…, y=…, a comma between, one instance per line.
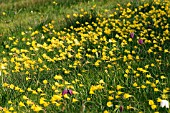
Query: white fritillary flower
x=164, y=103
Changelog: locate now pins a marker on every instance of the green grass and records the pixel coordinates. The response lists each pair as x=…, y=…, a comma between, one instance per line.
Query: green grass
x=84, y=46
x=28, y=13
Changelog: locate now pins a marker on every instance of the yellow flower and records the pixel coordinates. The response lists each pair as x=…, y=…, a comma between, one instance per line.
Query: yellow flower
x=68, y=16
x=36, y=108
x=148, y=82
x=107, y=31
x=126, y=75
x=153, y=85
x=39, y=90
x=56, y=97
x=146, y=66
x=75, y=15
x=74, y=100
x=143, y=86
x=148, y=76
x=135, y=84
x=34, y=92
x=165, y=91
x=66, y=83
x=109, y=104
x=5, y=84
x=153, y=107
x=29, y=89
x=119, y=87
x=117, y=106
x=110, y=98
x=39, y=60
x=46, y=104
x=58, y=77
x=110, y=92
x=127, y=71
x=163, y=77
x=159, y=100
x=29, y=102
x=66, y=96
x=119, y=92
x=129, y=4
x=81, y=85
x=88, y=99
x=91, y=92
x=9, y=102
x=137, y=75
x=130, y=57
x=28, y=78
x=94, y=50
x=133, y=52
x=22, y=33
x=42, y=100
x=157, y=81
x=101, y=81
x=11, y=109
x=129, y=107
x=126, y=95
x=24, y=97
x=151, y=102
x=96, y=63
x=105, y=111
x=152, y=65
x=164, y=96
x=137, y=57
x=3, y=13
x=75, y=92
x=77, y=22
x=166, y=51
x=21, y=104
x=150, y=50
x=45, y=81
x=156, y=89
x=12, y=86
x=58, y=104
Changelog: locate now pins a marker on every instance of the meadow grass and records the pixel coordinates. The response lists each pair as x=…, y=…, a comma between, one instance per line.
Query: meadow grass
x=84, y=56
x=15, y=15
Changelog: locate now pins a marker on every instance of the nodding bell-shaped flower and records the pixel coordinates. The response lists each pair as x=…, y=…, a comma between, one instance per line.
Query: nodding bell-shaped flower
x=121, y=108
x=132, y=35
x=67, y=91
x=140, y=41
x=164, y=103
x=64, y=92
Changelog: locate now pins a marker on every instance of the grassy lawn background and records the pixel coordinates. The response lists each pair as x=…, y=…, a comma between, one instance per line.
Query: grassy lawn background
x=20, y=15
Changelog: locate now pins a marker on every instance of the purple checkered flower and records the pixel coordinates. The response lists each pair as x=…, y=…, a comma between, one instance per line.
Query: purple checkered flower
x=121, y=108
x=132, y=35
x=67, y=91
x=140, y=41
